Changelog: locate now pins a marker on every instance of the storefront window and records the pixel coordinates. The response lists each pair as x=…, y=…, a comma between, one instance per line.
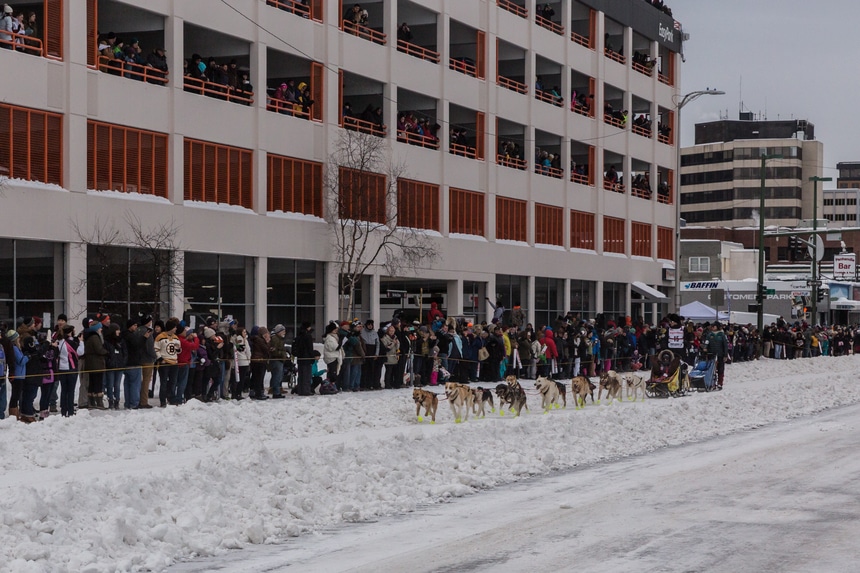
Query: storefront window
x=31, y=279
x=293, y=294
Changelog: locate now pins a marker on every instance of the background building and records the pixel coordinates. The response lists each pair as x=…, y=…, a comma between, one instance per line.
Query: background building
x=95, y=152
x=721, y=173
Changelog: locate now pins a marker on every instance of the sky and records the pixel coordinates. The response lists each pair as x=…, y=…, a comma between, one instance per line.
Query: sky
x=783, y=59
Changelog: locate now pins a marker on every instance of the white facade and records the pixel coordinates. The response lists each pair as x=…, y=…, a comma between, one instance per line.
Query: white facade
x=266, y=37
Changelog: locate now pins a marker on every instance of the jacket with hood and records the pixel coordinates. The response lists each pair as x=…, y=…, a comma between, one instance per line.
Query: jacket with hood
x=549, y=342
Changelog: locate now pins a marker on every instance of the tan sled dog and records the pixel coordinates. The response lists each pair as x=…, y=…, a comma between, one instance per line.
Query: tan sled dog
x=611, y=382
x=635, y=386
x=462, y=400
x=581, y=389
x=430, y=402
x=549, y=393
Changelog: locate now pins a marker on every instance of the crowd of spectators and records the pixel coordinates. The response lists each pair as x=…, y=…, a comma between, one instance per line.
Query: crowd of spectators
x=581, y=102
x=617, y=115
x=510, y=152
x=126, y=59
x=417, y=130
x=660, y=5
x=547, y=163
x=292, y=98
x=105, y=366
x=641, y=185
x=19, y=31
x=225, y=81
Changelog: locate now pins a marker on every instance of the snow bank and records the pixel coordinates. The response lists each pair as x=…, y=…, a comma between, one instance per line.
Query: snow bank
x=132, y=491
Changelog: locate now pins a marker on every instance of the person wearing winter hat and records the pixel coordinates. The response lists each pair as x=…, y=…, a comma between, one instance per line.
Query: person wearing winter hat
x=332, y=352
x=277, y=355
x=8, y=25
x=303, y=352
x=167, y=347
x=94, y=365
x=259, y=342
x=213, y=374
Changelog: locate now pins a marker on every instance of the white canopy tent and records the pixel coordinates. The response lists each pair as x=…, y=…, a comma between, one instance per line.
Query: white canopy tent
x=698, y=312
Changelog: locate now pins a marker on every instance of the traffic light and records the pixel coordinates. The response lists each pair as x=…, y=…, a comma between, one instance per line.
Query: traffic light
x=762, y=293
x=819, y=296
x=795, y=249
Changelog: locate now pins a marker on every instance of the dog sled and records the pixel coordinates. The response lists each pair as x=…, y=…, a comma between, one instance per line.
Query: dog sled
x=669, y=377
x=703, y=377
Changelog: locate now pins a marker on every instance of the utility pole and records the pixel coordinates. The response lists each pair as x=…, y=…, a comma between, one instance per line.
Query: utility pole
x=679, y=105
x=760, y=294
x=815, y=239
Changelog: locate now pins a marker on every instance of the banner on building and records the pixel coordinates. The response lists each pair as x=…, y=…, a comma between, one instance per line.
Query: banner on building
x=844, y=266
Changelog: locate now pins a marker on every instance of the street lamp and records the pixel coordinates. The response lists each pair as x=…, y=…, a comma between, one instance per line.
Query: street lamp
x=816, y=288
x=760, y=292
x=679, y=106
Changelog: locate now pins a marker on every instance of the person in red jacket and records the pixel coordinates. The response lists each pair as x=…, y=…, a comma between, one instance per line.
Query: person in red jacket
x=434, y=313
x=551, y=349
x=189, y=343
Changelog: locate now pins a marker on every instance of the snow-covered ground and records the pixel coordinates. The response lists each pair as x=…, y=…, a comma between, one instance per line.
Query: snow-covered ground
x=126, y=491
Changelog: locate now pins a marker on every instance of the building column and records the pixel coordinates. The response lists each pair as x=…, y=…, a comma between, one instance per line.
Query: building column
x=598, y=297
x=260, y=291
x=260, y=173
x=332, y=292
x=490, y=293
x=176, y=296
x=373, y=294
x=454, y=306
x=566, y=296
x=530, y=297
x=75, y=255
x=174, y=40
x=628, y=303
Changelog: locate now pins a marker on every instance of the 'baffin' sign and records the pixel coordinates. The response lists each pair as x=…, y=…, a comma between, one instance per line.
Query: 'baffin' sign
x=844, y=266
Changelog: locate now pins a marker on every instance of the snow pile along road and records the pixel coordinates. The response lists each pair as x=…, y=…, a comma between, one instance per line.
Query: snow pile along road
x=126, y=491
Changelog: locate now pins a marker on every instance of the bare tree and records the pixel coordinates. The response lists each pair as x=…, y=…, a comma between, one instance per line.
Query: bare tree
x=153, y=251
x=362, y=209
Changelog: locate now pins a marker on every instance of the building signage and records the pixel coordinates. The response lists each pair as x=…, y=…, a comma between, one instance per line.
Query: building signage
x=666, y=34
x=701, y=285
x=844, y=266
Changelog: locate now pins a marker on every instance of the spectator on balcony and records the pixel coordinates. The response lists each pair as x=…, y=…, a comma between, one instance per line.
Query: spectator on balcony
x=555, y=161
x=546, y=12
x=557, y=98
x=106, y=44
x=157, y=60
x=664, y=130
x=404, y=33
x=8, y=23
x=233, y=75
x=244, y=89
x=663, y=190
x=218, y=76
x=643, y=123
x=347, y=112
x=611, y=175
x=607, y=42
x=373, y=115
x=642, y=184
x=538, y=84
x=304, y=99
x=279, y=99
x=356, y=15
x=31, y=26
x=197, y=72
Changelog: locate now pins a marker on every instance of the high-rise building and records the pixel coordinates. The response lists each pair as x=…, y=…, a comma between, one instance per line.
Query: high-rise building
x=721, y=173
x=521, y=115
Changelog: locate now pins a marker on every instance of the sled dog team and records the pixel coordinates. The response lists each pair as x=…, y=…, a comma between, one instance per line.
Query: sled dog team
x=465, y=399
